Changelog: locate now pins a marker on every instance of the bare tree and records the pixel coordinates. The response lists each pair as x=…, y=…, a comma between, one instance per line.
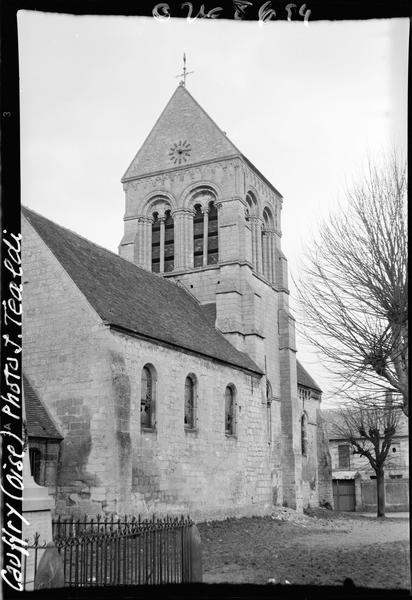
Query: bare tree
x=354, y=285
x=370, y=429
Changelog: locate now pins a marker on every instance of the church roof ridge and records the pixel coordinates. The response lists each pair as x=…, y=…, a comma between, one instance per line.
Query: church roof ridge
x=133, y=299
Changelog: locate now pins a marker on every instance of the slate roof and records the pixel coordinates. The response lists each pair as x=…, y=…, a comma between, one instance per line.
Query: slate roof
x=183, y=119
x=39, y=422
x=209, y=310
x=126, y=296
x=304, y=379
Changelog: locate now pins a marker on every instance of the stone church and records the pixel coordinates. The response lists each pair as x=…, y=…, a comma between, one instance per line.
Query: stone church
x=170, y=371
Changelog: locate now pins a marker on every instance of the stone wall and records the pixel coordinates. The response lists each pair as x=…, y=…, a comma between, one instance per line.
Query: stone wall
x=396, y=495
x=203, y=471
x=67, y=362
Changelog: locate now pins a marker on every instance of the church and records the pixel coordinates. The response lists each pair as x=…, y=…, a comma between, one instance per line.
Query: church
x=168, y=373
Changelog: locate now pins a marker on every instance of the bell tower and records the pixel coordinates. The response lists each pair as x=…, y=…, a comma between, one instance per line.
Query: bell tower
x=199, y=212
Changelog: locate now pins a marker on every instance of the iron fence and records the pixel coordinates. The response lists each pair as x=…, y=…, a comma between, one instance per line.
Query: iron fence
x=128, y=551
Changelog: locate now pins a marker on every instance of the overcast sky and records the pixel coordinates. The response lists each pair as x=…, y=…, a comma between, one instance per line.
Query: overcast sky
x=307, y=105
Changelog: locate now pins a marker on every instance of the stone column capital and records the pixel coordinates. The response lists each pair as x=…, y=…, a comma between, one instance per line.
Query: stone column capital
x=181, y=211
x=269, y=232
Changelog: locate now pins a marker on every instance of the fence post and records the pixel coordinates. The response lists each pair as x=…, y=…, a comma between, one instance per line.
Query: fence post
x=50, y=573
x=195, y=541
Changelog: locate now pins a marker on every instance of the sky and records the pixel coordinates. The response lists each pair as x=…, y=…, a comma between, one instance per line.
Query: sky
x=308, y=105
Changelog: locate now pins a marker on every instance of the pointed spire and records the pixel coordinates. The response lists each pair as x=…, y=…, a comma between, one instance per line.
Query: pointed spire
x=185, y=72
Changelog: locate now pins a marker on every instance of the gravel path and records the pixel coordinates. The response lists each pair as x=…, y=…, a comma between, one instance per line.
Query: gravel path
x=318, y=549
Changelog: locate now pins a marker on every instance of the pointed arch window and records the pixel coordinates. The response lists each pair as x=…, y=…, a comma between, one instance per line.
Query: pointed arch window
x=229, y=410
x=163, y=246
x=190, y=390
x=147, y=414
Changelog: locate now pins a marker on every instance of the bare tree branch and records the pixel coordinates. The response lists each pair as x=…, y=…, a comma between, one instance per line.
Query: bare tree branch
x=354, y=285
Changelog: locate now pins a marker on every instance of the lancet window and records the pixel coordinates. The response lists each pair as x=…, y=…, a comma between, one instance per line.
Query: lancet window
x=190, y=417
x=229, y=411
x=148, y=391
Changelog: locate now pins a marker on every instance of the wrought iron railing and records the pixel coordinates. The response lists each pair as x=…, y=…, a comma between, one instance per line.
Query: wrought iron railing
x=128, y=551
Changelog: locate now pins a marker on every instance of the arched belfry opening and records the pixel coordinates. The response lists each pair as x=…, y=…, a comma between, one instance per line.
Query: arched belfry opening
x=156, y=243
x=205, y=229
x=162, y=247
x=169, y=246
x=198, y=235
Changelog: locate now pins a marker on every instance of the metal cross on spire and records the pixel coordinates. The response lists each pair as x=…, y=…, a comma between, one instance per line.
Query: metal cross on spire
x=185, y=72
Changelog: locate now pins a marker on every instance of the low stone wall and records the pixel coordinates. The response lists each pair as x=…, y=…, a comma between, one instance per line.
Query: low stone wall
x=396, y=495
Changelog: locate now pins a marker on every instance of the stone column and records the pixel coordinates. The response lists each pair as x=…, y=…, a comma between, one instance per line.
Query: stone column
x=272, y=256
x=189, y=258
x=162, y=244
x=265, y=253
x=258, y=236
x=179, y=238
x=269, y=255
x=219, y=206
x=205, y=212
x=143, y=242
x=253, y=231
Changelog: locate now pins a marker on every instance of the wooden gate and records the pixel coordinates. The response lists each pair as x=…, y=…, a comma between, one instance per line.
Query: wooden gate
x=344, y=494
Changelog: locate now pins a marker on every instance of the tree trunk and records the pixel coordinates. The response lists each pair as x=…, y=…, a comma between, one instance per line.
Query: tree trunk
x=380, y=493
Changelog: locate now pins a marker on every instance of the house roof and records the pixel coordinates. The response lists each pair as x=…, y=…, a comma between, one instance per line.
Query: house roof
x=184, y=123
x=134, y=300
x=39, y=422
x=304, y=379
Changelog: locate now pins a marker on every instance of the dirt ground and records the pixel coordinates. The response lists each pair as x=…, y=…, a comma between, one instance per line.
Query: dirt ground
x=320, y=548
